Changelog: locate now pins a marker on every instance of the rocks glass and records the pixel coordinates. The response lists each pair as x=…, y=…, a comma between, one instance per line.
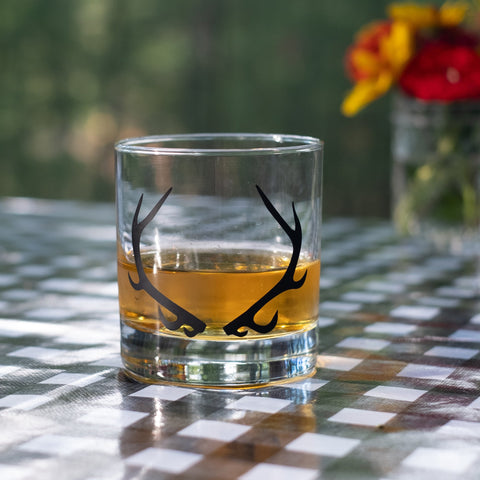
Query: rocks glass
x=218, y=246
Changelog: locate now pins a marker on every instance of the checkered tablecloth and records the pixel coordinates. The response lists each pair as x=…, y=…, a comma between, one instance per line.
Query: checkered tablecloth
x=396, y=394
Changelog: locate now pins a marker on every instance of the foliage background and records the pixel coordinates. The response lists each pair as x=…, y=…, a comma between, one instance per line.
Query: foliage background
x=79, y=75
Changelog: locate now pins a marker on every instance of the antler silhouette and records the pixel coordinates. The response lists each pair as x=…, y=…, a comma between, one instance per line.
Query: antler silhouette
x=183, y=316
x=287, y=282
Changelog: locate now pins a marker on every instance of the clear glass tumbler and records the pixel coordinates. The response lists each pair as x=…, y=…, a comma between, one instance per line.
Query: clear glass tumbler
x=218, y=245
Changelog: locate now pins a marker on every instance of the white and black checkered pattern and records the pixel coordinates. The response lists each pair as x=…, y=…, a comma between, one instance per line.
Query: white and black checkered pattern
x=396, y=395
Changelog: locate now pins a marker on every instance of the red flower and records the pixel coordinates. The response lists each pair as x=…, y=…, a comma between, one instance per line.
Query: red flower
x=443, y=70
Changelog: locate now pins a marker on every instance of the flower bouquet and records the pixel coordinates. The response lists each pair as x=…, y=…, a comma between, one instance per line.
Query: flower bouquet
x=431, y=57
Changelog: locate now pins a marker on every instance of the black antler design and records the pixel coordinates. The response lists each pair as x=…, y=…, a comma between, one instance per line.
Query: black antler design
x=246, y=319
x=183, y=316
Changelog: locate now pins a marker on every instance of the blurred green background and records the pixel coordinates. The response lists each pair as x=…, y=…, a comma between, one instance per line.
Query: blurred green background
x=79, y=75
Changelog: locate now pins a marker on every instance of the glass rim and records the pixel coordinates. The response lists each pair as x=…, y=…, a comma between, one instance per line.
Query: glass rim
x=284, y=144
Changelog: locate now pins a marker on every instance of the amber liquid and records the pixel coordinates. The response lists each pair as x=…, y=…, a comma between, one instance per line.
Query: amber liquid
x=216, y=288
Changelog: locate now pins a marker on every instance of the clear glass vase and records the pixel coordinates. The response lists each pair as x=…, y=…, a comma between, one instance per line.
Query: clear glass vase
x=436, y=171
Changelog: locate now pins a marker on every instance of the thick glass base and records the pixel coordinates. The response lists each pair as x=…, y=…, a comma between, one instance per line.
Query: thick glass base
x=238, y=363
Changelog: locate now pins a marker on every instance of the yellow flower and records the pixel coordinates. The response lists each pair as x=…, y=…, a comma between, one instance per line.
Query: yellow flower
x=398, y=47
x=418, y=16
x=365, y=92
x=452, y=14
x=375, y=61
